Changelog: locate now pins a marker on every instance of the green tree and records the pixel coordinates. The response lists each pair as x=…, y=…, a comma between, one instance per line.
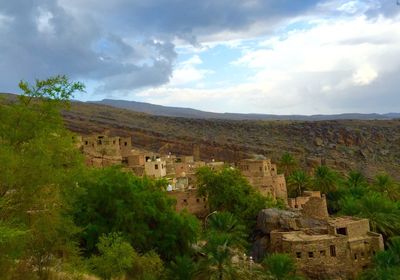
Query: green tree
x=37, y=158
x=227, y=190
x=226, y=224
x=280, y=267
x=325, y=179
x=148, y=266
x=386, y=263
x=115, y=257
x=217, y=260
x=385, y=184
x=113, y=200
x=383, y=213
x=298, y=182
x=287, y=164
x=182, y=268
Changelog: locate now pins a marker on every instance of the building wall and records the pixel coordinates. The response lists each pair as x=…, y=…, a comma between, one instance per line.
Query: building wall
x=312, y=204
x=136, y=160
x=320, y=257
x=125, y=146
x=184, y=168
x=353, y=227
x=189, y=200
x=262, y=175
x=157, y=169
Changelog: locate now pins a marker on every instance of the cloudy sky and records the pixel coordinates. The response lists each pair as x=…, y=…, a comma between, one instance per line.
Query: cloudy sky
x=248, y=56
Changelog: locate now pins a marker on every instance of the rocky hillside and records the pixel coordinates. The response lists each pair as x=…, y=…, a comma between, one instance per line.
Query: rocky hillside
x=368, y=145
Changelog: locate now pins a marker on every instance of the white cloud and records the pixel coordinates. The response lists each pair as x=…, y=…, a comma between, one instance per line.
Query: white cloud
x=364, y=75
x=187, y=72
x=333, y=67
x=43, y=21
x=5, y=20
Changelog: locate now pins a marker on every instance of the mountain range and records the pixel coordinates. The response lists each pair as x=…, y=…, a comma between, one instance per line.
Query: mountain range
x=166, y=111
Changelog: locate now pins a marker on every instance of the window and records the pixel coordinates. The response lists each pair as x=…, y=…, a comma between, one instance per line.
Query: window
x=114, y=142
x=342, y=231
x=260, y=168
x=86, y=142
x=126, y=144
x=197, y=200
x=322, y=253
x=99, y=142
x=332, y=249
x=298, y=255
x=355, y=256
x=156, y=166
x=311, y=254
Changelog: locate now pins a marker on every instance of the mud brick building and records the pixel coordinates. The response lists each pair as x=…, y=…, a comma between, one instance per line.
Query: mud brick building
x=263, y=176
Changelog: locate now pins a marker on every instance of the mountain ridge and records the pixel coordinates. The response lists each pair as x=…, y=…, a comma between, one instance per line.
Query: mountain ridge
x=168, y=111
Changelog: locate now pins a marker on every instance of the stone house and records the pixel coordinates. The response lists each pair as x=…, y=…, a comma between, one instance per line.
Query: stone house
x=189, y=200
x=262, y=175
x=104, y=150
x=323, y=247
x=155, y=168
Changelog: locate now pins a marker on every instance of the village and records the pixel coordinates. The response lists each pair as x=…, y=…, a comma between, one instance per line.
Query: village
x=320, y=244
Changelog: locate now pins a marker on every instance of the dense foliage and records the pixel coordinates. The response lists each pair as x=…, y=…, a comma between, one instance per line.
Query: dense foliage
x=227, y=190
x=112, y=200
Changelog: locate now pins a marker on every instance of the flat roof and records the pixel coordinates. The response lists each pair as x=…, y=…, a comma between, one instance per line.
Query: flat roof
x=345, y=220
x=300, y=236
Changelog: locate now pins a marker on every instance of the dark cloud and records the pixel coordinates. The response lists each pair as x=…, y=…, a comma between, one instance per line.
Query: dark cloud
x=87, y=39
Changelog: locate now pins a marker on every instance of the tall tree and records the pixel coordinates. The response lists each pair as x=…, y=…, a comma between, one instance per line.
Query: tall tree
x=383, y=213
x=325, y=179
x=227, y=190
x=385, y=184
x=287, y=164
x=298, y=182
x=386, y=263
x=280, y=267
x=113, y=200
x=37, y=158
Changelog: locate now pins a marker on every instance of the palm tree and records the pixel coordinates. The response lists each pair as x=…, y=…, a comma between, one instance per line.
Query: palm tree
x=182, y=268
x=325, y=179
x=383, y=213
x=280, y=267
x=287, y=164
x=225, y=238
x=217, y=262
x=225, y=223
x=385, y=184
x=356, y=184
x=298, y=182
x=386, y=263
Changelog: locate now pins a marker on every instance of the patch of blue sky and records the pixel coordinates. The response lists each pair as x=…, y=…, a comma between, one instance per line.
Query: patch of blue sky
x=219, y=61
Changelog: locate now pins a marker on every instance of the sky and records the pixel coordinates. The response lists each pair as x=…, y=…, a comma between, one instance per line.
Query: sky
x=244, y=56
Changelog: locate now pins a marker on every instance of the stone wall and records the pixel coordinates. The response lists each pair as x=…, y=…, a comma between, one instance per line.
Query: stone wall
x=190, y=201
x=312, y=204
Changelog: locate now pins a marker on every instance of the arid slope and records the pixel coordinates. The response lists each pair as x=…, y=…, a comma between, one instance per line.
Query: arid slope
x=371, y=146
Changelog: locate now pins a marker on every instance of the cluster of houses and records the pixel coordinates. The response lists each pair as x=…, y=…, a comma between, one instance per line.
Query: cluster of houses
x=343, y=244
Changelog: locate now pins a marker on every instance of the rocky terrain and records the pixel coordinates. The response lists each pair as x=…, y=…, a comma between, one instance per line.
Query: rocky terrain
x=368, y=145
